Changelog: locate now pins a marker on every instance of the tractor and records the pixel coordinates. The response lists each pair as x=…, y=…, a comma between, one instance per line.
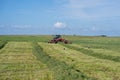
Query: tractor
x=58, y=38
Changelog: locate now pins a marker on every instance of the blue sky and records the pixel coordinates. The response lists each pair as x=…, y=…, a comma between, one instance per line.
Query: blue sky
x=80, y=17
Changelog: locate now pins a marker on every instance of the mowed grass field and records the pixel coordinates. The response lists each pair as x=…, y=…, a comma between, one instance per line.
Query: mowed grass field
x=32, y=58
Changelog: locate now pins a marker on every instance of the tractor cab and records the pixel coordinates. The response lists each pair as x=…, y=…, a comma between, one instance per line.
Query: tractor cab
x=58, y=38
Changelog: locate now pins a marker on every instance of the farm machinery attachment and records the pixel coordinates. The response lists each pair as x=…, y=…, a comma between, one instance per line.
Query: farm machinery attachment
x=58, y=38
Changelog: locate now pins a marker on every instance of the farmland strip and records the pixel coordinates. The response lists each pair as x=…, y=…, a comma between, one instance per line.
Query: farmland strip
x=17, y=62
x=91, y=66
x=91, y=52
x=61, y=69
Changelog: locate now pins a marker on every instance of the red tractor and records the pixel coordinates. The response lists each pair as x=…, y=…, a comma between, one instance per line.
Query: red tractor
x=58, y=38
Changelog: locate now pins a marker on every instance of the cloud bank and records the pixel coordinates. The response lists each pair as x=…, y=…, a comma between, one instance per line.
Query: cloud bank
x=16, y=26
x=89, y=9
x=59, y=25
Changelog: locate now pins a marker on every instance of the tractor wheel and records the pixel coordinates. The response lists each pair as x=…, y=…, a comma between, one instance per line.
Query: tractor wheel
x=66, y=42
x=56, y=42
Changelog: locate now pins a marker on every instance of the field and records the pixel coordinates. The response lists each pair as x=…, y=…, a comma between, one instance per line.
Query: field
x=32, y=58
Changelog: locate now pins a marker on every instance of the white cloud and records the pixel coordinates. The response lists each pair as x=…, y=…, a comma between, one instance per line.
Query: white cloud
x=59, y=25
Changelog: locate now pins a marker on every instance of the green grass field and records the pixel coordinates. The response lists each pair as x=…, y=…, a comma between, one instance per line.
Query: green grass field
x=32, y=58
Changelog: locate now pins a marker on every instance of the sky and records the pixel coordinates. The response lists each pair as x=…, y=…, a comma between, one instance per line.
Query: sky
x=69, y=17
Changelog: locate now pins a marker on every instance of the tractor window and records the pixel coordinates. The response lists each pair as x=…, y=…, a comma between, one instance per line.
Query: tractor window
x=57, y=36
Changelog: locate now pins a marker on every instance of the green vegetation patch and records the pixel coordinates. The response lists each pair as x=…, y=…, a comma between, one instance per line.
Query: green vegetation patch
x=23, y=38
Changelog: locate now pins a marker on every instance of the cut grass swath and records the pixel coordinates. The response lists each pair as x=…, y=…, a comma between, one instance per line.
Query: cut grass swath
x=17, y=62
x=100, y=69
x=106, y=52
x=99, y=53
x=62, y=71
x=2, y=44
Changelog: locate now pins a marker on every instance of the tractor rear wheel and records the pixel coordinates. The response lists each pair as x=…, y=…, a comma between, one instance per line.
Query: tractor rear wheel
x=66, y=42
